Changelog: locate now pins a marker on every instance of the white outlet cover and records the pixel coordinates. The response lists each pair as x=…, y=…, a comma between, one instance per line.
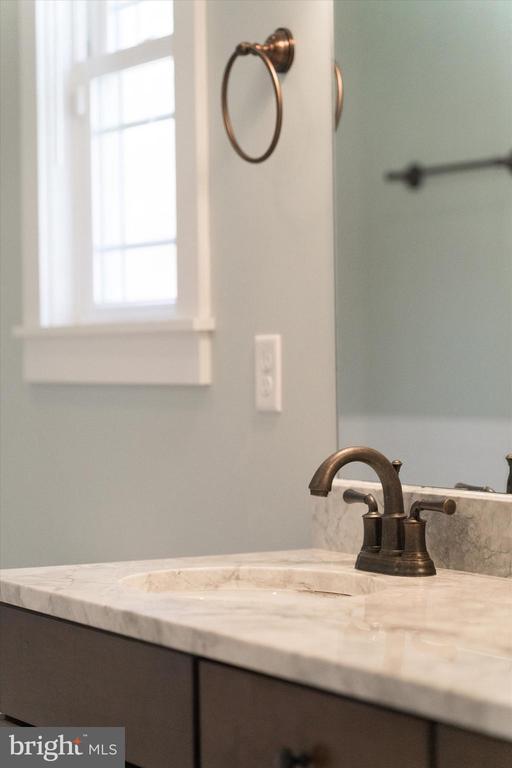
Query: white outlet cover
x=267, y=370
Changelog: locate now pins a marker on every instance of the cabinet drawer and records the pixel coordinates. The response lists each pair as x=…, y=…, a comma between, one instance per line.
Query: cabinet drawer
x=462, y=749
x=247, y=719
x=54, y=672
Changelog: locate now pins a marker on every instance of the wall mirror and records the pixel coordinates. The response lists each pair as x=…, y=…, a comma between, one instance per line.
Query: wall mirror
x=424, y=263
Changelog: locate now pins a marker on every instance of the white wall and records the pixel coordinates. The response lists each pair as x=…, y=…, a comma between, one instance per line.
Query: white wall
x=102, y=473
x=425, y=278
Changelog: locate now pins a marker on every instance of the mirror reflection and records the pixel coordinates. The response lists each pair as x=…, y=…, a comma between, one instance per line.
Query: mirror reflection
x=424, y=260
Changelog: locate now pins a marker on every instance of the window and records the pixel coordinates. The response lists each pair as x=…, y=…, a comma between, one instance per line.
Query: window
x=133, y=165
x=115, y=172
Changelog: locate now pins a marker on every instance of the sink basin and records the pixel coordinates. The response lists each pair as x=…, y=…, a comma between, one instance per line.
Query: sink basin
x=269, y=579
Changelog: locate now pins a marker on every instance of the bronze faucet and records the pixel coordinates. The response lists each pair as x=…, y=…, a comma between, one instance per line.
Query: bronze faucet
x=393, y=544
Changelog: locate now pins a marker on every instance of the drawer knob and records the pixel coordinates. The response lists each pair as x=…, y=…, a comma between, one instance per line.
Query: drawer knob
x=287, y=759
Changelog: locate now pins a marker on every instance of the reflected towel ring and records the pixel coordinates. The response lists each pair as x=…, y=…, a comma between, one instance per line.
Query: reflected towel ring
x=339, y=94
x=277, y=55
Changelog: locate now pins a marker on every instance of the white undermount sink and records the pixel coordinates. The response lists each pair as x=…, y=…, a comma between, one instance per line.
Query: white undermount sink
x=212, y=580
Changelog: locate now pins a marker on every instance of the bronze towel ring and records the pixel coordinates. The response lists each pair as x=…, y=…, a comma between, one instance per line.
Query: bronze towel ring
x=277, y=55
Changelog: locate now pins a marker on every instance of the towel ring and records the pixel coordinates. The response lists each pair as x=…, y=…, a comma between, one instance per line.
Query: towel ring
x=339, y=94
x=277, y=55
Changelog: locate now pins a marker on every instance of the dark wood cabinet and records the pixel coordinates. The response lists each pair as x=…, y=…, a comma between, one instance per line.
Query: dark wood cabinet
x=54, y=672
x=182, y=712
x=456, y=748
x=248, y=719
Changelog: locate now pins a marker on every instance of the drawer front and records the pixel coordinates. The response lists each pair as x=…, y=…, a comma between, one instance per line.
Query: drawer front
x=462, y=749
x=248, y=719
x=54, y=672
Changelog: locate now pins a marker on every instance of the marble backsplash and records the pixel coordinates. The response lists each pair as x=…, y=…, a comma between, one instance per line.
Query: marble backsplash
x=477, y=538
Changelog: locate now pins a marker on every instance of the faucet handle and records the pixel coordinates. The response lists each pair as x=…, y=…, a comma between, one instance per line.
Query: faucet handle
x=397, y=465
x=447, y=506
x=508, y=459
x=352, y=496
x=415, y=560
x=372, y=521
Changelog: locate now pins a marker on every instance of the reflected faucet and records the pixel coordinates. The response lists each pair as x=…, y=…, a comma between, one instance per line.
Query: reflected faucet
x=487, y=488
x=478, y=488
x=398, y=542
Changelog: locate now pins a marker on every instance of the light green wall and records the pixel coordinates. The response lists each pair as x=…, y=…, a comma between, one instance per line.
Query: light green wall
x=95, y=473
x=425, y=278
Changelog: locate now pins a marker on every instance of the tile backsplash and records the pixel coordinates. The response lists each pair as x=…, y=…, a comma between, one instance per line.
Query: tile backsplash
x=477, y=538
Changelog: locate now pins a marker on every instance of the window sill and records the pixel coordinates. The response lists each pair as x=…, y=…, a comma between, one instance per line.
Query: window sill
x=172, y=352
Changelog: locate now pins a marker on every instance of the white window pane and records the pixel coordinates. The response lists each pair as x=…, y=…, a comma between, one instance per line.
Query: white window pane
x=107, y=180
x=106, y=102
x=109, y=283
x=150, y=274
x=149, y=188
x=134, y=184
x=144, y=92
x=130, y=22
x=156, y=18
x=145, y=275
x=147, y=91
x=122, y=23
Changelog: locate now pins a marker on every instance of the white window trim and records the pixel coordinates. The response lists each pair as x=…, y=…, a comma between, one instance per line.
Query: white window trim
x=175, y=350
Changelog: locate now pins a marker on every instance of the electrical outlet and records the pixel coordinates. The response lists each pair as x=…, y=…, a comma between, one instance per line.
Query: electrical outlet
x=267, y=360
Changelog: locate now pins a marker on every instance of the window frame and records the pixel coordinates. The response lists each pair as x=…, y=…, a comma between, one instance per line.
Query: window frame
x=133, y=347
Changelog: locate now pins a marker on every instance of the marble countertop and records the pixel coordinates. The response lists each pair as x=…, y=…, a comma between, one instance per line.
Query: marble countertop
x=438, y=647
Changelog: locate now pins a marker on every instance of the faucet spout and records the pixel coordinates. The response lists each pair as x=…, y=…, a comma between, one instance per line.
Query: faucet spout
x=393, y=513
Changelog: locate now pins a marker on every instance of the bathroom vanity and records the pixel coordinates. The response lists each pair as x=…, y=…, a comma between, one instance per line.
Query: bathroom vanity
x=264, y=659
